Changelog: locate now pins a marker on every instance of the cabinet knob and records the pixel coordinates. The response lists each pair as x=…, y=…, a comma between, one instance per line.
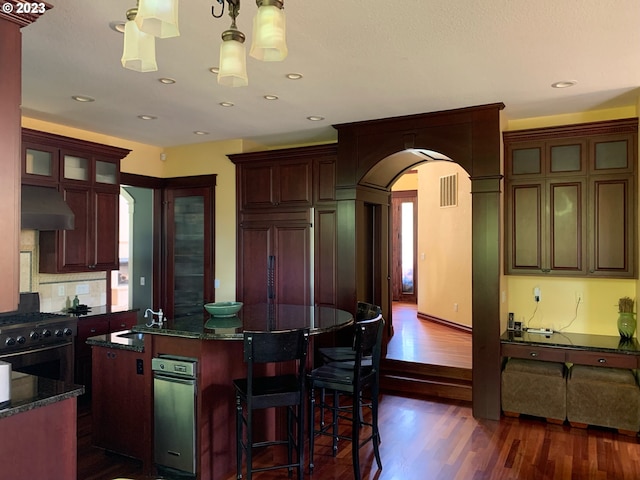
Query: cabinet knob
x=534, y=354
x=602, y=360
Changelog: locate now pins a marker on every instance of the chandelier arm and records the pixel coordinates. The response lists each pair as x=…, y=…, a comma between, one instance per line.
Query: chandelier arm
x=213, y=9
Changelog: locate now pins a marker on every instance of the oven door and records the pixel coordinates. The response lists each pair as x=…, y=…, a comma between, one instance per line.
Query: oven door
x=49, y=361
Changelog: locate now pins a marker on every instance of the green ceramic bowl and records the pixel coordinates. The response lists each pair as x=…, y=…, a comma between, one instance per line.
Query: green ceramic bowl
x=223, y=309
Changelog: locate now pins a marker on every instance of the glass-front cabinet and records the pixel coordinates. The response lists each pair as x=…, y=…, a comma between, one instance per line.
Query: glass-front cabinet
x=189, y=251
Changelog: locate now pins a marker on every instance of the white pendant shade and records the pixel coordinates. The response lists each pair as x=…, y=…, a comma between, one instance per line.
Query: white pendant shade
x=233, y=64
x=268, y=41
x=139, y=51
x=158, y=18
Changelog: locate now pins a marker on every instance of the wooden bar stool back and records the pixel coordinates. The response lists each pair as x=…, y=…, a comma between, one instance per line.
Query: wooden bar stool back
x=261, y=392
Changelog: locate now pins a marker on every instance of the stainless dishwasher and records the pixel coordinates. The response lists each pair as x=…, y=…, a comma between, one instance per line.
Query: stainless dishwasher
x=174, y=412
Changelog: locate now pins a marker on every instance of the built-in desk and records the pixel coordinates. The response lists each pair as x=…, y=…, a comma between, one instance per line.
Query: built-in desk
x=599, y=388
x=576, y=348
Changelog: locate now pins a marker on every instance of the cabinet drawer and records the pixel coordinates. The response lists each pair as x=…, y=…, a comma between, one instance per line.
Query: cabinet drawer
x=89, y=327
x=533, y=352
x=599, y=359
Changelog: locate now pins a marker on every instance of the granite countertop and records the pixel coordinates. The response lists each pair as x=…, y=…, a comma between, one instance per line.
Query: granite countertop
x=259, y=317
x=122, y=340
x=579, y=341
x=98, y=311
x=29, y=392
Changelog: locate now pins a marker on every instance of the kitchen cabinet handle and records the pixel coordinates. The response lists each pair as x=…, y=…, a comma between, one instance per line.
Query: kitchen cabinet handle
x=93, y=330
x=602, y=360
x=534, y=354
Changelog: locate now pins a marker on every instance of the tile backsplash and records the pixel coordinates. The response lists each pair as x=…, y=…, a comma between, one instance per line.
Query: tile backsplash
x=57, y=290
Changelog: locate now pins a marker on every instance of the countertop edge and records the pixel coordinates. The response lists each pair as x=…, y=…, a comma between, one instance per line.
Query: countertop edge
x=70, y=391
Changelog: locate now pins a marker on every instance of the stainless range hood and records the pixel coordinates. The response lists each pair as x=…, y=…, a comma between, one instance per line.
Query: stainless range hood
x=44, y=208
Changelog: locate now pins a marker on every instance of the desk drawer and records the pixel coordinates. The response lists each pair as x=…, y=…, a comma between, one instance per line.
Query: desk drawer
x=599, y=359
x=548, y=354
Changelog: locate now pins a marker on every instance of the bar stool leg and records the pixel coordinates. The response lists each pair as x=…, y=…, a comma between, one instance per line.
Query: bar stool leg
x=312, y=423
x=238, y=438
x=334, y=410
x=374, y=425
x=355, y=435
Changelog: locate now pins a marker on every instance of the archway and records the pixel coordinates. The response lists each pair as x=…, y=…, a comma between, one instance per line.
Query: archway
x=366, y=168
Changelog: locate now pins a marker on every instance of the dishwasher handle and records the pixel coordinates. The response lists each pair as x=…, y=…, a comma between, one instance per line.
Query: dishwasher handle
x=174, y=379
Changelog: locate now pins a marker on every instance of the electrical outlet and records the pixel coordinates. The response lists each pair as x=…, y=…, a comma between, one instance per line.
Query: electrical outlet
x=536, y=294
x=82, y=289
x=61, y=290
x=216, y=283
x=455, y=307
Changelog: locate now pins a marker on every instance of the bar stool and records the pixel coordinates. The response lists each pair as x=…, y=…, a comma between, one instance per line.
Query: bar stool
x=364, y=311
x=286, y=390
x=356, y=379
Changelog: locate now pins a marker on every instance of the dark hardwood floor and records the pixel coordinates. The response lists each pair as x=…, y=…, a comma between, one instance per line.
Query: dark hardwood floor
x=435, y=439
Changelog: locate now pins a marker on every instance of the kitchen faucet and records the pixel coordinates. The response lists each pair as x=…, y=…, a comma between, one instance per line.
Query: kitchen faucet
x=153, y=320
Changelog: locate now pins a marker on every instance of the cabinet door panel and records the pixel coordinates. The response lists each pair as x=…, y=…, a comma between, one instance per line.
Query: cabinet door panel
x=325, y=262
x=567, y=226
x=292, y=273
x=294, y=182
x=106, y=245
x=256, y=184
x=524, y=227
x=613, y=226
x=76, y=249
x=254, y=250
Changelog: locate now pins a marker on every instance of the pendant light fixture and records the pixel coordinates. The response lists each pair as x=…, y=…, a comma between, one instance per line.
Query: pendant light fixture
x=139, y=52
x=233, y=56
x=158, y=18
x=268, y=44
x=268, y=41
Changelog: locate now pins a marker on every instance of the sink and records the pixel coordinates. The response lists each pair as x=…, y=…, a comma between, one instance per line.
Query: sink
x=132, y=335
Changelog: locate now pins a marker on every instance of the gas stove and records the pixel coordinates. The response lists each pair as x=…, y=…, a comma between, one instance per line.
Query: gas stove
x=24, y=329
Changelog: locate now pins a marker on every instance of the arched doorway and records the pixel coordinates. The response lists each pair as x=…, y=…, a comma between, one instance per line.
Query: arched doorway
x=368, y=163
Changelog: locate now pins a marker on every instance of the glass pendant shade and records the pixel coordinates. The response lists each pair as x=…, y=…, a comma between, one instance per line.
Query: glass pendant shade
x=233, y=64
x=139, y=51
x=268, y=41
x=158, y=18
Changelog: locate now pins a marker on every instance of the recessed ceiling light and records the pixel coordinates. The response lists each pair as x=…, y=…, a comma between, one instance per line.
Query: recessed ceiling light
x=146, y=117
x=564, y=84
x=167, y=81
x=83, y=98
x=200, y=132
x=270, y=97
x=294, y=76
x=214, y=70
x=117, y=26
x=315, y=118
x=227, y=104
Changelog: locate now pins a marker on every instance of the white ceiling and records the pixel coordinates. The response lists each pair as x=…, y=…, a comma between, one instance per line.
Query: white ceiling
x=361, y=60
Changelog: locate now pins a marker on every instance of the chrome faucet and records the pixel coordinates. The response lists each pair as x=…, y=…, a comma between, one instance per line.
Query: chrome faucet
x=153, y=320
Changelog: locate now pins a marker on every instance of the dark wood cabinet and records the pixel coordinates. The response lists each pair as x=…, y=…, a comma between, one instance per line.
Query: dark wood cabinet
x=272, y=183
x=90, y=327
x=570, y=200
x=88, y=176
x=119, y=400
x=280, y=249
x=287, y=226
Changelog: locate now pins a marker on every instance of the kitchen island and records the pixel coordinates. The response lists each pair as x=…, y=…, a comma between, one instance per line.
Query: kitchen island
x=39, y=432
x=216, y=345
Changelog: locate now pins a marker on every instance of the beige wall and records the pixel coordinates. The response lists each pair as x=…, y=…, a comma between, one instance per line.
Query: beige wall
x=444, y=246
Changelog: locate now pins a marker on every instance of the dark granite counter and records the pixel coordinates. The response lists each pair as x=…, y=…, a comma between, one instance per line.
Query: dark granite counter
x=29, y=392
x=578, y=341
x=259, y=317
x=98, y=311
x=123, y=340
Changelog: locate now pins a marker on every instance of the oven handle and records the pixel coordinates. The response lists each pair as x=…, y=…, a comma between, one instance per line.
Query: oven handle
x=37, y=350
